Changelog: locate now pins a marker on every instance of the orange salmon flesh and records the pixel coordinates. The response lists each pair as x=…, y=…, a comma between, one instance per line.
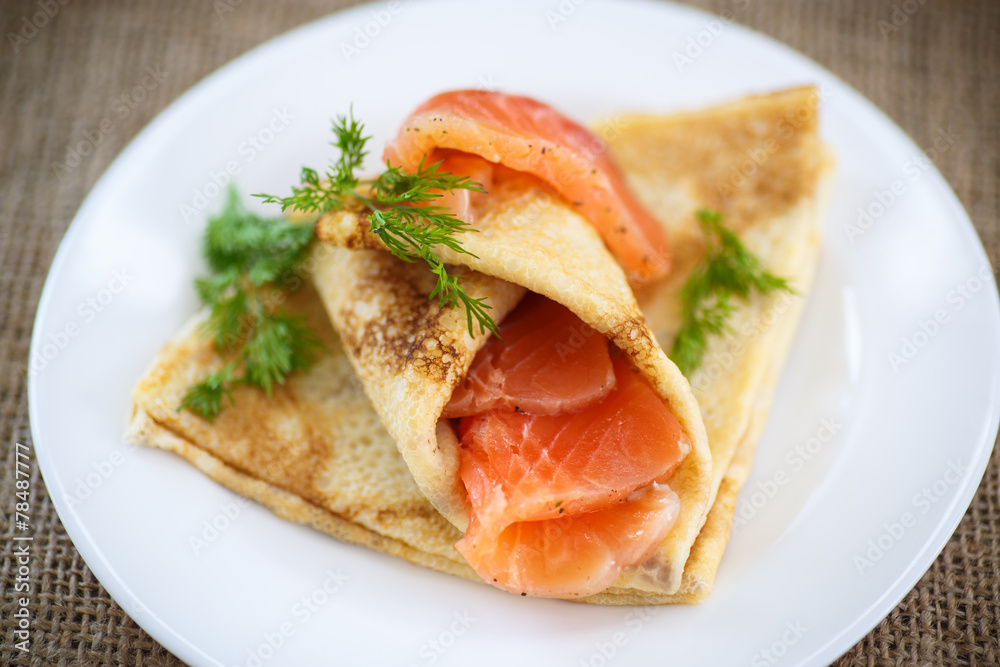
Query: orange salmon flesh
x=531, y=137
x=566, y=452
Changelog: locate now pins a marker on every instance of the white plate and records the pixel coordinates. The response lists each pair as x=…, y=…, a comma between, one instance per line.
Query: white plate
x=830, y=540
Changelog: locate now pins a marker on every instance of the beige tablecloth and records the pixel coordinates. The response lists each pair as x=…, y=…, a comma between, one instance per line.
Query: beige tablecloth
x=931, y=66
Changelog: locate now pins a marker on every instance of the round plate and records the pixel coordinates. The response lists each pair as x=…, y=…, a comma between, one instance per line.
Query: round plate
x=881, y=429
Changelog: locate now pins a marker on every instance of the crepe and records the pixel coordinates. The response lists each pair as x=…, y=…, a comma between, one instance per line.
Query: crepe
x=761, y=163
x=411, y=353
x=317, y=453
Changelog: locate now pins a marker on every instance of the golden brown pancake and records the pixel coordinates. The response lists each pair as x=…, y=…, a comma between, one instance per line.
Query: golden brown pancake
x=317, y=452
x=411, y=354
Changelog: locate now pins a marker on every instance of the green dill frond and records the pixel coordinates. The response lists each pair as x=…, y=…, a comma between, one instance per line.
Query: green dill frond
x=729, y=269
x=205, y=398
x=401, y=210
x=351, y=142
x=249, y=256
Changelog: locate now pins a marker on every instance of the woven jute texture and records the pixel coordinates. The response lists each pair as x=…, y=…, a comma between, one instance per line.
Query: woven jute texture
x=931, y=66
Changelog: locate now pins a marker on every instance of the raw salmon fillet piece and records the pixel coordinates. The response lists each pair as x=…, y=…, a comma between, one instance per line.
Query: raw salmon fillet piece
x=532, y=137
x=546, y=361
x=577, y=555
x=561, y=503
x=462, y=203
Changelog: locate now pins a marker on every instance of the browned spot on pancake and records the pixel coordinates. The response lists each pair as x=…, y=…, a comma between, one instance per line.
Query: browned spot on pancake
x=349, y=228
x=394, y=514
x=632, y=334
x=245, y=439
x=406, y=330
x=749, y=165
x=175, y=357
x=422, y=511
x=352, y=240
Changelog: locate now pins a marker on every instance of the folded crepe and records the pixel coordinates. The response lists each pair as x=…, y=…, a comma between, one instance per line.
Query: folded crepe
x=317, y=451
x=411, y=354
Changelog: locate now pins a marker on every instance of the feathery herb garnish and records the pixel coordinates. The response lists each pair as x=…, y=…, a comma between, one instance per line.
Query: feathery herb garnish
x=249, y=256
x=401, y=211
x=728, y=270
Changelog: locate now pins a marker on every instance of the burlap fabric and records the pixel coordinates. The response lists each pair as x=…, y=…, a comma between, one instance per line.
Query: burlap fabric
x=931, y=67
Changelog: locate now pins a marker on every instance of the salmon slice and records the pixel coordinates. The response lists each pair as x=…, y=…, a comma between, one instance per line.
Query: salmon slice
x=546, y=361
x=529, y=136
x=576, y=555
x=549, y=465
x=582, y=472
x=462, y=203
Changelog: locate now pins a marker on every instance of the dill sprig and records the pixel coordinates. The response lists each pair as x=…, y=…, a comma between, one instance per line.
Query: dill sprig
x=728, y=270
x=401, y=211
x=248, y=255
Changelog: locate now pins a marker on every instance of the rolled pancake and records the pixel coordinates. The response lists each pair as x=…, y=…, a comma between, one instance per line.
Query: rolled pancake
x=411, y=353
x=317, y=453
